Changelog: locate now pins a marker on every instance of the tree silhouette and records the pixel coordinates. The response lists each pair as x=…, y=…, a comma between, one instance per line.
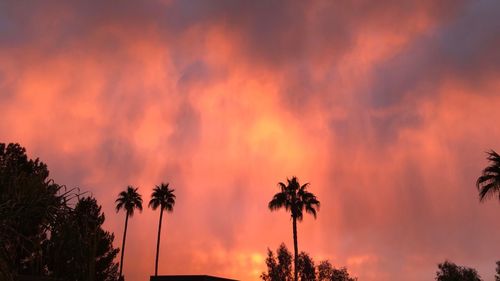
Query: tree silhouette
x=164, y=198
x=29, y=205
x=79, y=249
x=306, y=268
x=129, y=200
x=41, y=236
x=488, y=183
x=497, y=276
x=295, y=198
x=449, y=271
x=279, y=268
x=326, y=272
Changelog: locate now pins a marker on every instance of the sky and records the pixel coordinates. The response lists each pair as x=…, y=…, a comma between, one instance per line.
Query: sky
x=385, y=107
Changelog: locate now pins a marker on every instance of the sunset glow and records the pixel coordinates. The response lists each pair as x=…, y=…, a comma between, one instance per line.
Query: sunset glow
x=385, y=108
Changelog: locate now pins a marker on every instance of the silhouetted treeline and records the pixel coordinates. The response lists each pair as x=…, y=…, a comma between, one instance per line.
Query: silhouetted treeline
x=279, y=268
x=449, y=271
x=49, y=232
x=41, y=234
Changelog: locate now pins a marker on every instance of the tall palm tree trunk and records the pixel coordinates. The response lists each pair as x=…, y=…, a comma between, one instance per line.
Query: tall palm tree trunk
x=123, y=244
x=296, y=250
x=158, y=243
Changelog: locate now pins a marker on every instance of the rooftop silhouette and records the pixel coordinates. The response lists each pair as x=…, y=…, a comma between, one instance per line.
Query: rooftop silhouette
x=189, y=278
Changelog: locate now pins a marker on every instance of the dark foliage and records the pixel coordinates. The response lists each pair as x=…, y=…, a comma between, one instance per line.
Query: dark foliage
x=129, y=200
x=280, y=268
x=326, y=272
x=29, y=205
x=295, y=198
x=449, y=271
x=79, y=249
x=497, y=276
x=34, y=215
x=306, y=268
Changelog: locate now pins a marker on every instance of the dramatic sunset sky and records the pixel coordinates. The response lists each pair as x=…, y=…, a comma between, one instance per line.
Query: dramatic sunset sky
x=385, y=107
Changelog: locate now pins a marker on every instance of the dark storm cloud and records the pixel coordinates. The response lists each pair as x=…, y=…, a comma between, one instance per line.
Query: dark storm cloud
x=197, y=73
x=272, y=33
x=115, y=149
x=464, y=49
x=461, y=49
x=187, y=126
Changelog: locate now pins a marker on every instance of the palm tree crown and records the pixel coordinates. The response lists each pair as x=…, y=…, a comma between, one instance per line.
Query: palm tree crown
x=295, y=198
x=488, y=183
x=162, y=197
x=129, y=200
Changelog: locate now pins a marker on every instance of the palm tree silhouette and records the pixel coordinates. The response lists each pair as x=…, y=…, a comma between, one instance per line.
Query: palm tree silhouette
x=128, y=200
x=488, y=183
x=164, y=198
x=295, y=198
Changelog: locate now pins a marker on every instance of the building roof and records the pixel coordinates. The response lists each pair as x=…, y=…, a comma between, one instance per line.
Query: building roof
x=188, y=278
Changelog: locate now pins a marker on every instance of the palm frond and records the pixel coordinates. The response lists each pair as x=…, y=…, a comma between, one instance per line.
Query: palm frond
x=488, y=183
x=119, y=206
x=294, y=198
x=489, y=190
x=279, y=201
x=493, y=156
x=311, y=210
x=282, y=186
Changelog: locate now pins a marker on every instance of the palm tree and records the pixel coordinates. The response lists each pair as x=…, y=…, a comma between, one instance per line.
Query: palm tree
x=295, y=198
x=164, y=198
x=128, y=200
x=488, y=183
